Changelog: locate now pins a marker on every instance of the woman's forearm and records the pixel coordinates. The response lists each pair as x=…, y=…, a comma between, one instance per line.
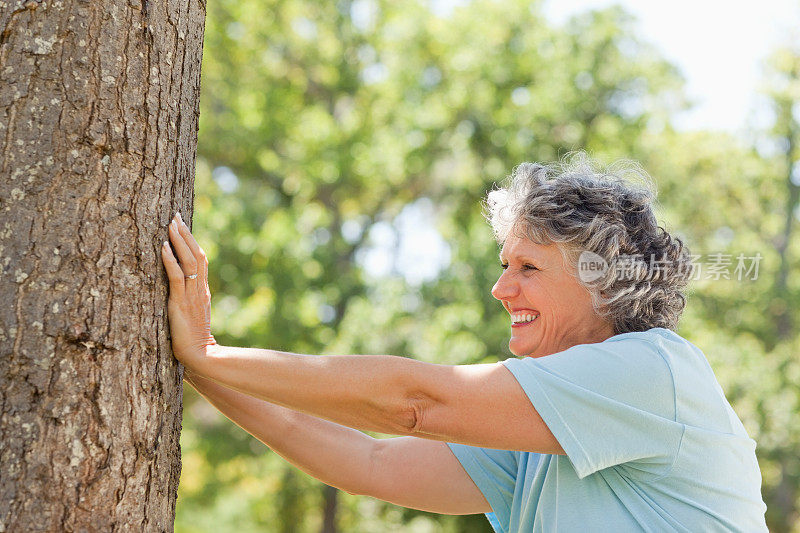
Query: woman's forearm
x=367, y=392
x=334, y=454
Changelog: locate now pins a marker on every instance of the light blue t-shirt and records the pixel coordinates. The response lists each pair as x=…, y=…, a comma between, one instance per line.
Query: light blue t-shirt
x=652, y=444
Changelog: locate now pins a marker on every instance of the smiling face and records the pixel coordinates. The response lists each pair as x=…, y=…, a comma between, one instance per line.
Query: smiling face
x=550, y=309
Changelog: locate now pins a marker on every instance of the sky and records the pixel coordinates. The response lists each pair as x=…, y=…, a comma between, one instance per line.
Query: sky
x=719, y=46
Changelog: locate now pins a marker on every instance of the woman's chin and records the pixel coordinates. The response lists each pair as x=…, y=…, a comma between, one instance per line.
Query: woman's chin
x=520, y=349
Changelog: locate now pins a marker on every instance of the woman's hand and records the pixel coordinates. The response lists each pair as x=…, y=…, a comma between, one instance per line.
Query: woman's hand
x=189, y=306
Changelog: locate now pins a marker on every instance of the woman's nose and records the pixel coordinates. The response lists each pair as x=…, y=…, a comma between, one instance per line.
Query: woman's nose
x=504, y=288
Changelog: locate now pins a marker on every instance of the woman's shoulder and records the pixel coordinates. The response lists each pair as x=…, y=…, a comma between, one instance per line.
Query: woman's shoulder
x=686, y=362
x=654, y=351
x=653, y=335
x=700, y=400
x=628, y=369
x=674, y=349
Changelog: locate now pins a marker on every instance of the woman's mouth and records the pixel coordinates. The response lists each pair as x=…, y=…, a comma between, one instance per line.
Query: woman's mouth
x=519, y=320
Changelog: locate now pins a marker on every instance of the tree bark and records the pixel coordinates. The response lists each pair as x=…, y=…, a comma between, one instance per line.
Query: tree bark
x=330, y=506
x=98, y=134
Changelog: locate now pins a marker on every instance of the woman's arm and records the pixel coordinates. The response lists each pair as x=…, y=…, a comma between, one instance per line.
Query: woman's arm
x=478, y=405
x=415, y=473
x=367, y=392
x=334, y=454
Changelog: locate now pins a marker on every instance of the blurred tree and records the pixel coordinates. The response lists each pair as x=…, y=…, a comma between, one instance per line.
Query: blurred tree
x=784, y=94
x=743, y=201
x=327, y=127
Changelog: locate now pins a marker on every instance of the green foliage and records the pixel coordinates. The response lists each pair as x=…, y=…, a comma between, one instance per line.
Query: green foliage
x=322, y=121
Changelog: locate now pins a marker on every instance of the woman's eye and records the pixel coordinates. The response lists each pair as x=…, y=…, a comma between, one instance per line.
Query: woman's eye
x=524, y=267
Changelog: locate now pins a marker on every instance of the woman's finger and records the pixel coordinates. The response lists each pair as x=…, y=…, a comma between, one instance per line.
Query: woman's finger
x=195, y=249
x=185, y=255
x=177, y=285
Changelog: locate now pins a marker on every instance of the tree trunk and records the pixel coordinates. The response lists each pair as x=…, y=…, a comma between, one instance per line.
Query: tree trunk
x=98, y=133
x=330, y=507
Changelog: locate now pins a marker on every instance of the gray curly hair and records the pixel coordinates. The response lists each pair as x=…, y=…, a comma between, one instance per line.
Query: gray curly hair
x=586, y=209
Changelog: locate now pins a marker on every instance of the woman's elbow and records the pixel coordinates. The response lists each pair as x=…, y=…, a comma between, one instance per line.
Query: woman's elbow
x=405, y=417
x=413, y=415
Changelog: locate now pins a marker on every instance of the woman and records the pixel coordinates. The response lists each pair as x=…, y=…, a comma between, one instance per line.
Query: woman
x=607, y=419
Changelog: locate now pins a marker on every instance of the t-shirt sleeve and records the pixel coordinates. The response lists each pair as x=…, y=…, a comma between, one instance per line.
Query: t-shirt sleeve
x=608, y=404
x=495, y=474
